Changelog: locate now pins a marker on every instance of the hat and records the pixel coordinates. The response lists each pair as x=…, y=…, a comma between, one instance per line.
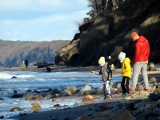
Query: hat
x=121, y=56
x=134, y=34
x=101, y=61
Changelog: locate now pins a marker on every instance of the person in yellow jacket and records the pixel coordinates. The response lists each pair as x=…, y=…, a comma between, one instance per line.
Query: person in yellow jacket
x=126, y=72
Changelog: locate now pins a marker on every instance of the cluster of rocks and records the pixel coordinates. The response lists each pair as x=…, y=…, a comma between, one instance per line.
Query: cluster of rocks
x=136, y=107
x=142, y=109
x=88, y=90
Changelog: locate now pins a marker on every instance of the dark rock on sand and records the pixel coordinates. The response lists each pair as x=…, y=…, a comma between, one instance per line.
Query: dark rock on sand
x=16, y=109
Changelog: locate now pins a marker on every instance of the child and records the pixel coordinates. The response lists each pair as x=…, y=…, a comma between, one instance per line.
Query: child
x=106, y=82
x=109, y=63
x=126, y=72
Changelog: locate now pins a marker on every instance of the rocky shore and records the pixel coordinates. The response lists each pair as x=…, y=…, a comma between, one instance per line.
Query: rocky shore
x=140, y=106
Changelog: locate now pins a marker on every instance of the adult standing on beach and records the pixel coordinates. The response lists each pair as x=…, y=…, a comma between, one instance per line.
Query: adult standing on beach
x=26, y=63
x=106, y=82
x=142, y=51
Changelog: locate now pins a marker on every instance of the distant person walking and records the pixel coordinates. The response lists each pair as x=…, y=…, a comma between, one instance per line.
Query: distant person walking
x=142, y=51
x=26, y=63
x=126, y=72
x=106, y=82
x=109, y=61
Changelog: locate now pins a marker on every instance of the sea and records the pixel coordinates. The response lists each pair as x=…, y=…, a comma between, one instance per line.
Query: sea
x=22, y=81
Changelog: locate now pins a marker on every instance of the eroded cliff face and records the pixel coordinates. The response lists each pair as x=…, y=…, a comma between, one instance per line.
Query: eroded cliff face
x=109, y=34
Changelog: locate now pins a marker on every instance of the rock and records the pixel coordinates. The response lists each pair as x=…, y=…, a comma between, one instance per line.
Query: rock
x=139, y=87
x=102, y=115
x=104, y=107
x=15, y=109
x=57, y=105
x=154, y=96
x=99, y=91
x=28, y=96
x=36, y=107
x=15, y=91
x=68, y=54
x=150, y=106
x=114, y=90
x=152, y=79
x=123, y=115
x=158, y=103
x=14, y=77
x=17, y=95
x=38, y=97
x=88, y=98
x=79, y=103
x=114, y=85
x=151, y=66
x=152, y=89
x=33, y=97
x=84, y=117
x=1, y=117
x=131, y=106
x=86, y=90
x=72, y=89
x=158, y=88
x=1, y=98
x=143, y=94
x=66, y=93
x=48, y=69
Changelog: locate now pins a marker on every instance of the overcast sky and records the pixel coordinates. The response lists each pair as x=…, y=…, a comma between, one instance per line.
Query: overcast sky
x=41, y=20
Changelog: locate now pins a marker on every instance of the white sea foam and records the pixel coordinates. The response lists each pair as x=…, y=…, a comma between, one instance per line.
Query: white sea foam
x=5, y=76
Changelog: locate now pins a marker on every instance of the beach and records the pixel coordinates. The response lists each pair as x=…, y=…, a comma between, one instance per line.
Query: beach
x=98, y=108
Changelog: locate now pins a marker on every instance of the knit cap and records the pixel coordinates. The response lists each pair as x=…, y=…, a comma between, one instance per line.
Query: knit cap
x=121, y=56
x=134, y=34
x=101, y=61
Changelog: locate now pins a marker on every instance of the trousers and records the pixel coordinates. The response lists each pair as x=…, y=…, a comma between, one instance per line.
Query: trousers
x=125, y=85
x=137, y=68
x=106, y=88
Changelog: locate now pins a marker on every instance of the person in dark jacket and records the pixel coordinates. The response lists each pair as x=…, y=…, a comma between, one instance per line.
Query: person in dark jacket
x=142, y=51
x=109, y=61
x=26, y=63
x=106, y=81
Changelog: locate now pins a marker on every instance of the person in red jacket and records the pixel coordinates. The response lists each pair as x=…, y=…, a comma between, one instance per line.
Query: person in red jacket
x=142, y=51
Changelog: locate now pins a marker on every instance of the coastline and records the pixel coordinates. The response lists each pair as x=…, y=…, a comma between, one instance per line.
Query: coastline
x=90, y=110
x=116, y=71
x=59, y=69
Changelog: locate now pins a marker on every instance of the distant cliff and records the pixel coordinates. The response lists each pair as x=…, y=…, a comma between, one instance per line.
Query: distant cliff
x=108, y=34
x=12, y=53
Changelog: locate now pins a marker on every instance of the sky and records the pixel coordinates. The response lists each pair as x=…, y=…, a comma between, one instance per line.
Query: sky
x=41, y=20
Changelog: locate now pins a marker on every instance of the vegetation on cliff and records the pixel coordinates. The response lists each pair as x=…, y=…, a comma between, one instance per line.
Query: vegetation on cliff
x=107, y=32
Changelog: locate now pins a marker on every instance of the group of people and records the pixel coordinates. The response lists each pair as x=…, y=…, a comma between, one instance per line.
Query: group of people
x=142, y=51
x=105, y=70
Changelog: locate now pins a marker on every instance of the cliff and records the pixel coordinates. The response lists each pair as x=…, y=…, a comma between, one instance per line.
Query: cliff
x=109, y=33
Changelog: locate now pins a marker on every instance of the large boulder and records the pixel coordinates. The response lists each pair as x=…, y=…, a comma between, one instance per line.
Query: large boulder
x=68, y=54
x=36, y=107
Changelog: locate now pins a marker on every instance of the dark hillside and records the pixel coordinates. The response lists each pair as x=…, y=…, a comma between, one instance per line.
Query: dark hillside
x=12, y=53
x=108, y=33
